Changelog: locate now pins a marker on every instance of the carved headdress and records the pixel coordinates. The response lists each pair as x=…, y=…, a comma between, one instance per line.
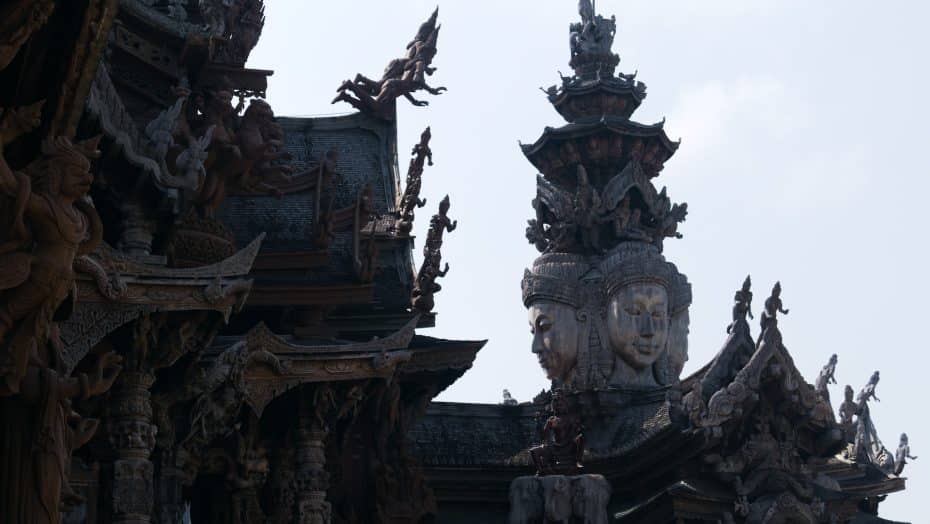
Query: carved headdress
x=56, y=151
x=634, y=262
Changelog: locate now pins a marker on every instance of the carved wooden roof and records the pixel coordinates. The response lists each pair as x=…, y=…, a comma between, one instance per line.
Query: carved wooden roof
x=338, y=361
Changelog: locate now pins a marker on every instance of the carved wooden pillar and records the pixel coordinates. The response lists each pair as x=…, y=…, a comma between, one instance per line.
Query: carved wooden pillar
x=136, y=238
x=312, y=480
x=132, y=434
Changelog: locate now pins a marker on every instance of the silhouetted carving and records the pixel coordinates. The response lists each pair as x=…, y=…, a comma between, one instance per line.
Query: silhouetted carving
x=847, y=411
x=225, y=155
x=508, y=399
x=411, y=200
x=743, y=304
x=773, y=306
x=402, y=77
x=902, y=454
x=563, y=443
x=868, y=390
x=826, y=377
x=425, y=285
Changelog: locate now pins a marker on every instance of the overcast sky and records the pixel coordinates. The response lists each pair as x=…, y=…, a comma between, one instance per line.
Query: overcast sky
x=803, y=158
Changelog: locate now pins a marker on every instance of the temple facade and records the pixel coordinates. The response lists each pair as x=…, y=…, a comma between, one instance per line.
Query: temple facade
x=209, y=312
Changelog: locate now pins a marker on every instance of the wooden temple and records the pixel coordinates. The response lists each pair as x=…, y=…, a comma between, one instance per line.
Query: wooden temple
x=208, y=312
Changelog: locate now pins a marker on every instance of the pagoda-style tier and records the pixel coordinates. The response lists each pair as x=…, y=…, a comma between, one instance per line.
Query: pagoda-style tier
x=604, y=145
x=596, y=189
x=582, y=99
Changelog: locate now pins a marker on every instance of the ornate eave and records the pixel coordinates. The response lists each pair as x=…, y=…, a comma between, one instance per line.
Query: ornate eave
x=161, y=22
x=579, y=98
x=380, y=358
x=113, y=289
x=549, y=145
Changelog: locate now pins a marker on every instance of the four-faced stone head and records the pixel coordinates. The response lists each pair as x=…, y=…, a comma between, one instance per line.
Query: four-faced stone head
x=638, y=323
x=555, y=337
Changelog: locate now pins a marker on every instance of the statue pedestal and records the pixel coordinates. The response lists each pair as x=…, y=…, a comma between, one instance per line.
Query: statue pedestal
x=577, y=499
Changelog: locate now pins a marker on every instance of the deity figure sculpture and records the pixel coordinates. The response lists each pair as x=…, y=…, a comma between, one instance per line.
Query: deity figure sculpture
x=773, y=306
x=902, y=454
x=593, y=34
x=847, y=410
x=587, y=206
x=555, y=338
x=563, y=442
x=743, y=305
x=826, y=377
x=411, y=200
x=425, y=286
x=439, y=224
x=225, y=153
x=620, y=323
x=190, y=162
x=50, y=224
x=259, y=139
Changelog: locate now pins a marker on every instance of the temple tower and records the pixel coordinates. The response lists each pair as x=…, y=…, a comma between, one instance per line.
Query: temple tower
x=609, y=314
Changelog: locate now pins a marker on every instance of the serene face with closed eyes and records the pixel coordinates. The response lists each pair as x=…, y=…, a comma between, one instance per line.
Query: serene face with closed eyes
x=638, y=323
x=555, y=338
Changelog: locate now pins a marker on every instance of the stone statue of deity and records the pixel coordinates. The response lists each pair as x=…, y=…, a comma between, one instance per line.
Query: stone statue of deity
x=614, y=321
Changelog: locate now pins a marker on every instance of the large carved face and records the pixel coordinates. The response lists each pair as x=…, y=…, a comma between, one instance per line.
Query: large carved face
x=638, y=323
x=555, y=337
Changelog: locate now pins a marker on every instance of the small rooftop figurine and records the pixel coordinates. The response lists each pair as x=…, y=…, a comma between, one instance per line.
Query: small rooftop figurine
x=826, y=377
x=743, y=305
x=868, y=391
x=508, y=399
x=773, y=306
x=901, y=455
x=563, y=443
